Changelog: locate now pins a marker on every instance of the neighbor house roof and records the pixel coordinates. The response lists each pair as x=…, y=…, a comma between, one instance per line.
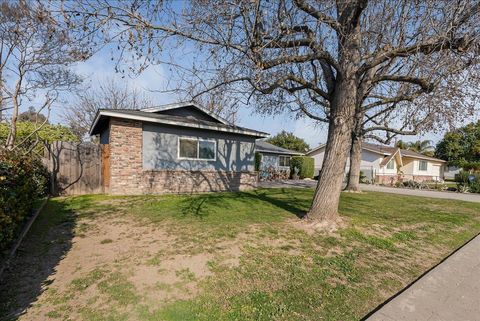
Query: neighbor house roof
x=385, y=150
x=152, y=117
x=409, y=153
x=387, y=159
x=263, y=146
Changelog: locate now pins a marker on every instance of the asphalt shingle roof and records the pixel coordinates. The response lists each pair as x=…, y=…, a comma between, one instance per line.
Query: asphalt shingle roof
x=181, y=120
x=263, y=146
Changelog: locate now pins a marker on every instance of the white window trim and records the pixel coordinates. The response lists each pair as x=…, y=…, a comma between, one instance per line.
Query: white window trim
x=285, y=156
x=422, y=170
x=390, y=161
x=198, y=140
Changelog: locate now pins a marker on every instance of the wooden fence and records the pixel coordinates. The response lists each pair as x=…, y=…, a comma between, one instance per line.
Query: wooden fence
x=75, y=168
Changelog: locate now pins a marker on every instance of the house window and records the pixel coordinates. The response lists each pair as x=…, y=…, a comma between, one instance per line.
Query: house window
x=192, y=148
x=422, y=165
x=284, y=161
x=391, y=164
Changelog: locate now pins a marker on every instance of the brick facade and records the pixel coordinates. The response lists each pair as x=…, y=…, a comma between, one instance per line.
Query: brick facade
x=125, y=156
x=128, y=177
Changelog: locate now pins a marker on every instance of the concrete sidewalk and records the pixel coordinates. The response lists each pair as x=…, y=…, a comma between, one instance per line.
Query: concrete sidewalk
x=449, y=292
x=425, y=193
x=377, y=188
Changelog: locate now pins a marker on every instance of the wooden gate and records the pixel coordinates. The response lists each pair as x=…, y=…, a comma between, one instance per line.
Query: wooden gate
x=105, y=148
x=75, y=168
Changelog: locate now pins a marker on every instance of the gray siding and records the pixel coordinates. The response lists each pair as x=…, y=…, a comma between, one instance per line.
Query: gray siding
x=269, y=160
x=188, y=112
x=160, y=148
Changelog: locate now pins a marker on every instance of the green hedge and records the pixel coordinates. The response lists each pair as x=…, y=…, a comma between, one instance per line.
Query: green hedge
x=465, y=184
x=258, y=161
x=305, y=165
x=23, y=180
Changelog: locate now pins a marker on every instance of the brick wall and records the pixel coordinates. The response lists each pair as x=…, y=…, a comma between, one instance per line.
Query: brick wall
x=128, y=177
x=171, y=181
x=125, y=156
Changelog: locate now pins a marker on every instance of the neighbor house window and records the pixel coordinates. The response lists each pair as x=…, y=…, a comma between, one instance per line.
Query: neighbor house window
x=422, y=165
x=192, y=148
x=284, y=161
x=391, y=164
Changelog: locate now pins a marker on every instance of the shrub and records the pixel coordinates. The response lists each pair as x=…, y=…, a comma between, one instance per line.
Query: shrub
x=304, y=164
x=23, y=180
x=258, y=161
x=363, y=178
x=475, y=184
x=467, y=182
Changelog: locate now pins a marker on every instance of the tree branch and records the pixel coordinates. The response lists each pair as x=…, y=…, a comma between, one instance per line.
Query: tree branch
x=329, y=21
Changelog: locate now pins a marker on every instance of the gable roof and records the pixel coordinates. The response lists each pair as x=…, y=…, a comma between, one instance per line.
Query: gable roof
x=316, y=149
x=410, y=153
x=263, y=146
x=387, y=159
x=103, y=114
x=159, y=109
x=385, y=150
x=379, y=149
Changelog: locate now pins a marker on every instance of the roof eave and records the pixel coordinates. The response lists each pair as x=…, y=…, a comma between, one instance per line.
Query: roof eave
x=427, y=158
x=175, y=123
x=94, y=124
x=313, y=150
x=278, y=152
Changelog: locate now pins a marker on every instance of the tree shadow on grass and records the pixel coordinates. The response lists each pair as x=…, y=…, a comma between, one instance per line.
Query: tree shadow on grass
x=33, y=268
x=199, y=206
x=284, y=198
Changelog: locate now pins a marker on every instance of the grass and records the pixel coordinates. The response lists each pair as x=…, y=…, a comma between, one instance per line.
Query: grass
x=283, y=272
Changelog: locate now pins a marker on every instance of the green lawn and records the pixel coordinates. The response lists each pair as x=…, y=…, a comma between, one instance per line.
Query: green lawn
x=236, y=256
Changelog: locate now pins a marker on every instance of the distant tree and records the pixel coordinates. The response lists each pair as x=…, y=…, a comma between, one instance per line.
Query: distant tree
x=108, y=95
x=423, y=147
x=35, y=53
x=32, y=116
x=461, y=147
x=288, y=140
x=420, y=146
x=401, y=144
x=32, y=138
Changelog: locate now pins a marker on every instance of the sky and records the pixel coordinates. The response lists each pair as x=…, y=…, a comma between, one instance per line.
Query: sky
x=100, y=68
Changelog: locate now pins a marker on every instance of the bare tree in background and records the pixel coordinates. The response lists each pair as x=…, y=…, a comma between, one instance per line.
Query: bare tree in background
x=433, y=97
x=34, y=55
x=108, y=95
x=321, y=60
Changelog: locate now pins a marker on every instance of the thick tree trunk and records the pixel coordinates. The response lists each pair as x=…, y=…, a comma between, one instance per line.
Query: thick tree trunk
x=324, y=208
x=327, y=195
x=353, y=184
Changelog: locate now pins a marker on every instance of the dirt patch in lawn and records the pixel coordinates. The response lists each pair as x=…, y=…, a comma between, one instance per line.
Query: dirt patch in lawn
x=107, y=261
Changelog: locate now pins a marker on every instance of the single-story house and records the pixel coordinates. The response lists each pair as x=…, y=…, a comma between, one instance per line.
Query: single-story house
x=274, y=157
x=176, y=148
x=386, y=164
x=450, y=171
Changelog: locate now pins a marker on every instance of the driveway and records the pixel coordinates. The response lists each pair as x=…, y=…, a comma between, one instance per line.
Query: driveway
x=377, y=188
x=450, y=291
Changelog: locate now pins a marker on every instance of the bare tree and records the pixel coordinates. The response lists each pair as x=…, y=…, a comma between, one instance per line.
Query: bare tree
x=320, y=60
x=107, y=95
x=436, y=97
x=34, y=55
